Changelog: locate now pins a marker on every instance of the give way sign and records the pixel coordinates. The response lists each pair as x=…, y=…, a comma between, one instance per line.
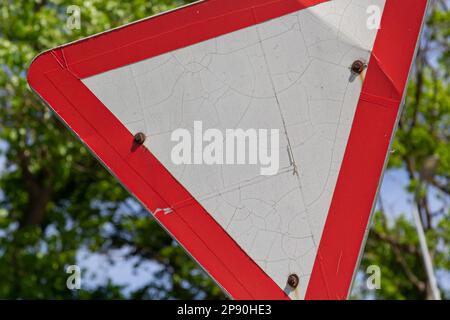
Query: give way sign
x=327, y=76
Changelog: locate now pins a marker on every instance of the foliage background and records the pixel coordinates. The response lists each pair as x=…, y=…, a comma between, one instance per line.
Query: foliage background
x=57, y=202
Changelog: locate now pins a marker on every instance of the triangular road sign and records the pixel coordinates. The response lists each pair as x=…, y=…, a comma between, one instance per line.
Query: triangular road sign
x=323, y=74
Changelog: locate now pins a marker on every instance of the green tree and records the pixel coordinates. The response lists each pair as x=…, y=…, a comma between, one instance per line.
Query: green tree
x=55, y=199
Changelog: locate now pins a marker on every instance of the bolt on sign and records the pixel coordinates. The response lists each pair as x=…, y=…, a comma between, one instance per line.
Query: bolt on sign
x=187, y=82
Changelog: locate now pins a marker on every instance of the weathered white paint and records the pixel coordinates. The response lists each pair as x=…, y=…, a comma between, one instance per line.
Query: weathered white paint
x=290, y=73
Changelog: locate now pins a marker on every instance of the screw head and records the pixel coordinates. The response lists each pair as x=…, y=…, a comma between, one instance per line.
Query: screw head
x=293, y=280
x=139, y=138
x=358, y=67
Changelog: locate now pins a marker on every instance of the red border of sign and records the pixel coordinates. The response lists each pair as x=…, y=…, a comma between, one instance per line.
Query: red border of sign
x=55, y=75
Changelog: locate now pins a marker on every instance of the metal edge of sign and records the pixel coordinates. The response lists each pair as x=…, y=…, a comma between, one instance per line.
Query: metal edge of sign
x=371, y=213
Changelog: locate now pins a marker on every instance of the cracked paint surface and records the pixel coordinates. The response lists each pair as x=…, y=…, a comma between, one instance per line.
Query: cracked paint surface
x=292, y=74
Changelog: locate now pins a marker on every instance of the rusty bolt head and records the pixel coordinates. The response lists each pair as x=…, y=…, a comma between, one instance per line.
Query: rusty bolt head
x=293, y=280
x=139, y=138
x=358, y=67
